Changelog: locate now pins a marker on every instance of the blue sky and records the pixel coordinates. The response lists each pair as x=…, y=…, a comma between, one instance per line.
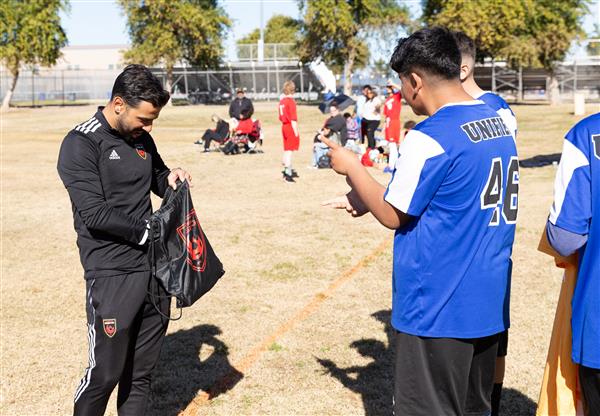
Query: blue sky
x=100, y=22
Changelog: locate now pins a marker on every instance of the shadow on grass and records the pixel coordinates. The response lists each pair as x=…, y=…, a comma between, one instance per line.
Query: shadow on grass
x=181, y=373
x=374, y=381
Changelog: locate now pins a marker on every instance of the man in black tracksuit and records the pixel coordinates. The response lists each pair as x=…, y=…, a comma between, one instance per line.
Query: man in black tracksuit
x=241, y=107
x=109, y=164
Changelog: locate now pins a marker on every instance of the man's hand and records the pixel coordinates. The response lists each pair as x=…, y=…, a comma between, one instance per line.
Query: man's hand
x=180, y=174
x=342, y=160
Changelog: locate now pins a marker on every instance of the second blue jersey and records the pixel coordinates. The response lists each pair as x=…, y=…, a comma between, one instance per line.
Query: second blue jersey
x=458, y=176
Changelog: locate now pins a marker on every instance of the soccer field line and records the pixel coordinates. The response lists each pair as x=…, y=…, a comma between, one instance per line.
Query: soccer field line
x=225, y=382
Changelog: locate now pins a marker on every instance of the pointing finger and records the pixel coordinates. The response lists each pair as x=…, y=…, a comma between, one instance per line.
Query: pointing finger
x=329, y=143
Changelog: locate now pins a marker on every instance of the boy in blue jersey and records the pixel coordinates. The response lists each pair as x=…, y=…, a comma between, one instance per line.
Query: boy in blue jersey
x=467, y=68
x=452, y=201
x=574, y=226
x=468, y=53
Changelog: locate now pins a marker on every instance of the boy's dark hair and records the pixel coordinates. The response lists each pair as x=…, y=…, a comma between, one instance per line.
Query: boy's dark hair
x=432, y=51
x=465, y=44
x=409, y=125
x=367, y=86
x=136, y=83
x=347, y=115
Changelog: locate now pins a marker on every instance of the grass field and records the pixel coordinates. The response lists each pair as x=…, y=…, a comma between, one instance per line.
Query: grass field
x=297, y=326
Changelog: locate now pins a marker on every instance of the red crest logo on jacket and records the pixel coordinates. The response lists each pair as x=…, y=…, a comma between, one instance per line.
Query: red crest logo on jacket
x=140, y=150
x=193, y=237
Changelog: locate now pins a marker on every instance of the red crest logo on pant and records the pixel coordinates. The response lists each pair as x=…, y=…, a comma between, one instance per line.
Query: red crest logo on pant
x=193, y=237
x=110, y=327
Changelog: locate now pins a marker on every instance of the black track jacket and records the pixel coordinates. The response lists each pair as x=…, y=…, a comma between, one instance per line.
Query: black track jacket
x=109, y=180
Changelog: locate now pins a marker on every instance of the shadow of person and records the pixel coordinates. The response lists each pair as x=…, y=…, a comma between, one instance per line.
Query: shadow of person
x=191, y=360
x=374, y=381
x=515, y=403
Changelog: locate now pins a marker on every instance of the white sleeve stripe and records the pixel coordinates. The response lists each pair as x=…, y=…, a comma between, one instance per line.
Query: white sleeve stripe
x=509, y=119
x=415, y=150
x=572, y=158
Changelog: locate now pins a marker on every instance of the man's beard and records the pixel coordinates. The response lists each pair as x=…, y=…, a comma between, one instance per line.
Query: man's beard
x=125, y=131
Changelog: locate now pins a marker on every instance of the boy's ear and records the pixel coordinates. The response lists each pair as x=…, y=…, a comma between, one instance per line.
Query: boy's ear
x=464, y=72
x=416, y=82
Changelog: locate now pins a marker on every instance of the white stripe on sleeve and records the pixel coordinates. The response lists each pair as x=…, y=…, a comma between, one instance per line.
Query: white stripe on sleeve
x=415, y=150
x=509, y=119
x=572, y=158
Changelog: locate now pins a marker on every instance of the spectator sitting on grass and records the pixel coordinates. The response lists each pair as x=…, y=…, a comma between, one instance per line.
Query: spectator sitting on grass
x=353, y=129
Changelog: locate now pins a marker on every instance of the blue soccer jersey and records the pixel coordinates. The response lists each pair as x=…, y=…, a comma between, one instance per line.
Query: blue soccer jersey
x=576, y=208
x=458, y=175
x=502, y=108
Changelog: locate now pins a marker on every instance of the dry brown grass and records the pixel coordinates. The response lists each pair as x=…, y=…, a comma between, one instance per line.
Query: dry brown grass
x=280, y=250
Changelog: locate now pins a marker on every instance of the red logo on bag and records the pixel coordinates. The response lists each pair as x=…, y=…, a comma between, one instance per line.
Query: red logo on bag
x=140, y=150
x=110, y=327
x=193, y=237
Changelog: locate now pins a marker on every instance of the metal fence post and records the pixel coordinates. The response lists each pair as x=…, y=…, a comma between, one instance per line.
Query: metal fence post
x=277, y=76
x=301, y=82
x=520, y=93
x=207, y=81
x=62, y=76
x=268, y=82
x=253, y=78
x=32, y=87
x=185, y=80
x=493, y=76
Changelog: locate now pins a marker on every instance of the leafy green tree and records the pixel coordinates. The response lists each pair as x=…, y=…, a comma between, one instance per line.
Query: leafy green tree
x=279, y=29
x=30, y=34
x=170, y=31
x=336, y=31
x=534, y=33
x=593, y=47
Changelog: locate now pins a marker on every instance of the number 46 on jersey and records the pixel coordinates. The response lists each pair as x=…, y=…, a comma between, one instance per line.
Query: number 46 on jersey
x=502, y=197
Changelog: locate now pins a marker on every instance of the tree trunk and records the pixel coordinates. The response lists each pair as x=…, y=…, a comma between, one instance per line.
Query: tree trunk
x=553, y=91
x=10, y=92
x=348, y=66
x=169, y=85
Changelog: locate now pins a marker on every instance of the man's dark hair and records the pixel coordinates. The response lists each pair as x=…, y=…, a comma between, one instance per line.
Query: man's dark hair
x=368, y=87
x=465, y=44
x=432, y=51
x=136, y=83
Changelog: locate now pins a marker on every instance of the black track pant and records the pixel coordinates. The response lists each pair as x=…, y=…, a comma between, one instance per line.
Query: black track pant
x=369, y=128
x=443, y=376
x=590, y=386
x=210, y=135
x=125, y=334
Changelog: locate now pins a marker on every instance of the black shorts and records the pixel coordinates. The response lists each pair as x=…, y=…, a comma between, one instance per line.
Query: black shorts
x=443, y=376
x=503, y=344
x=590, y=386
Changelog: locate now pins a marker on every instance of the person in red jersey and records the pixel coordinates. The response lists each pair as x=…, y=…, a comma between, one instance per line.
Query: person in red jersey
x=391, y=111
x=289, y=129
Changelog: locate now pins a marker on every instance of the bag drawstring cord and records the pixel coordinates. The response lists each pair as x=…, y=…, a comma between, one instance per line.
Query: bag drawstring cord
x=155, y=280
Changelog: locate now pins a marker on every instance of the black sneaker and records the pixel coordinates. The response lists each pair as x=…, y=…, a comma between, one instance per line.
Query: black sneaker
x=288, y=178
x=294, y=174
x=199, y=142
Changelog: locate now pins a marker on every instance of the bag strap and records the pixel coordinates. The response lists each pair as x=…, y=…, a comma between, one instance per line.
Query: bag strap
x=152, y=231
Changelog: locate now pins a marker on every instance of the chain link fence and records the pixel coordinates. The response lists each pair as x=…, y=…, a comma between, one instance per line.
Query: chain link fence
x=64, y=87
x=264, y=82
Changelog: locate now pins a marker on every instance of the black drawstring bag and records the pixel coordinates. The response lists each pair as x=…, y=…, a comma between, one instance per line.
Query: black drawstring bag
x=181, y=257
